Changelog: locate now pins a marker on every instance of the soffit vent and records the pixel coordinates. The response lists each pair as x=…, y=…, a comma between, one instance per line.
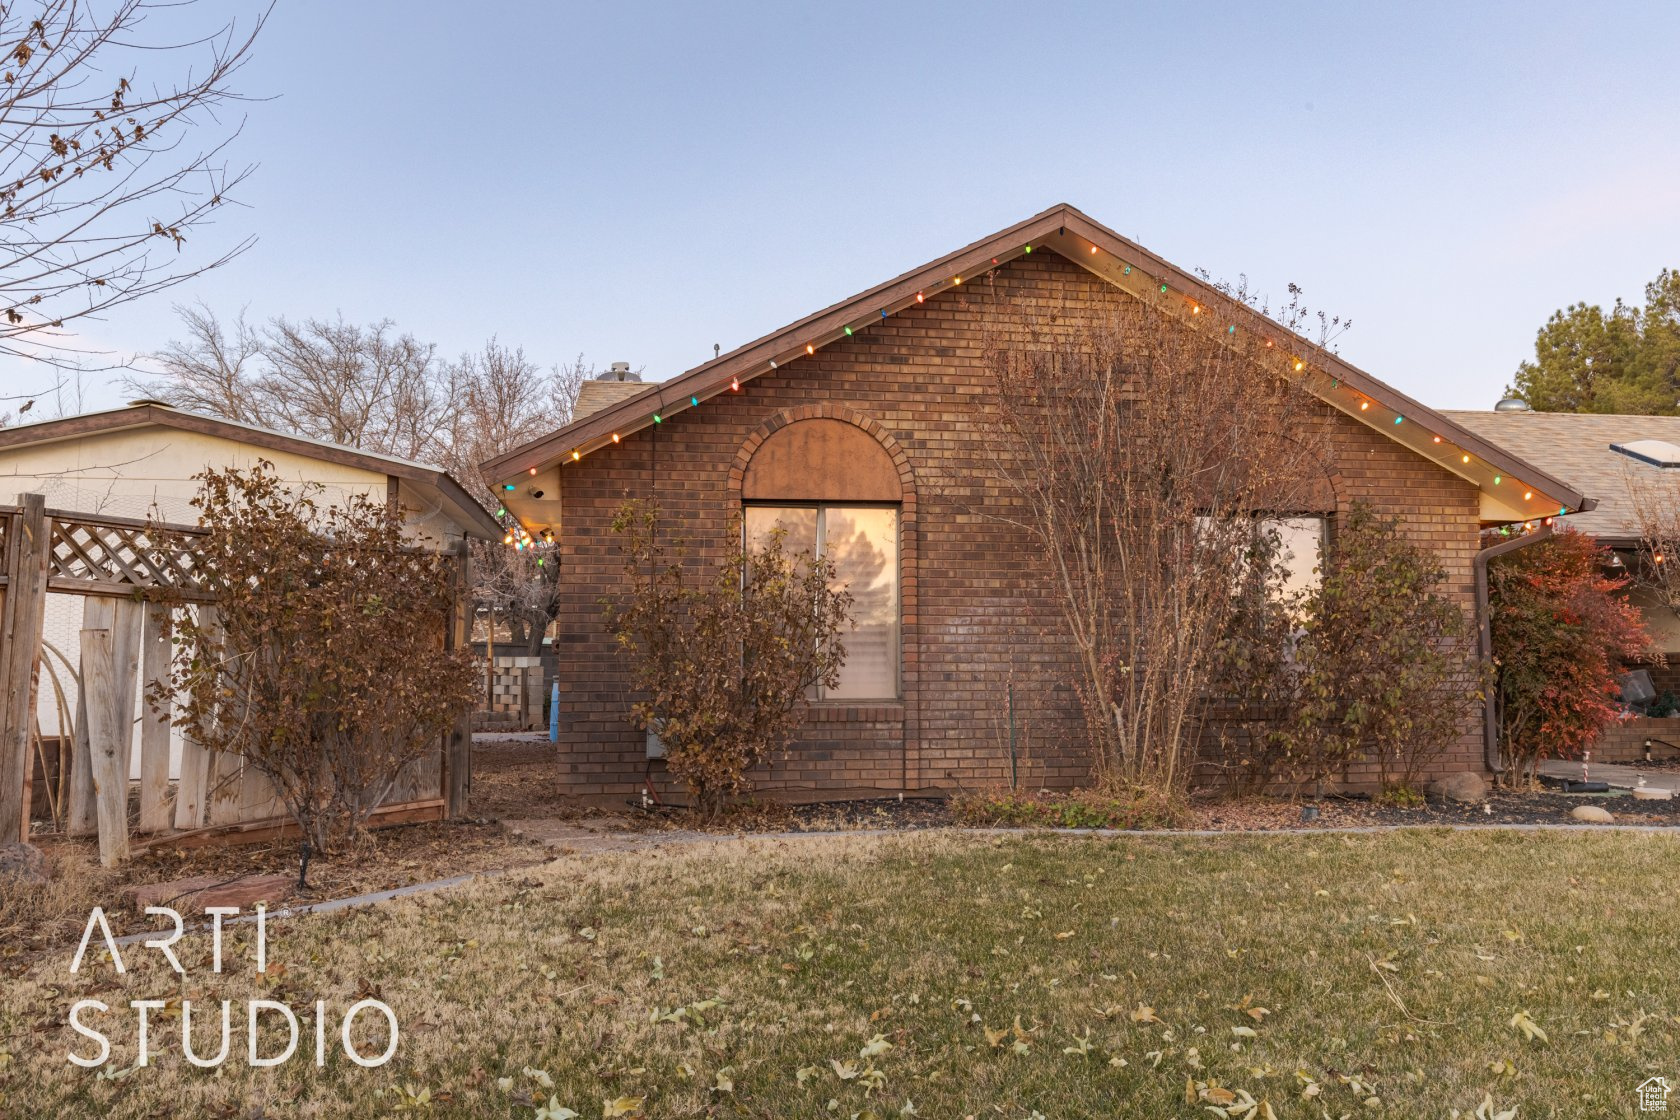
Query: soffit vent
x=1656, y=452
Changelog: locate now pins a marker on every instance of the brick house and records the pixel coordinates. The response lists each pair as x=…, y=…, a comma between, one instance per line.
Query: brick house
x=855, y=427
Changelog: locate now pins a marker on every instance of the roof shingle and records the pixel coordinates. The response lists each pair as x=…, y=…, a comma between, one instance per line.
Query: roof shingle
x=1576, y=447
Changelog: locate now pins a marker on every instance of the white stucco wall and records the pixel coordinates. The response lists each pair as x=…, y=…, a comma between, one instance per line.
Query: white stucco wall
x=147, y=472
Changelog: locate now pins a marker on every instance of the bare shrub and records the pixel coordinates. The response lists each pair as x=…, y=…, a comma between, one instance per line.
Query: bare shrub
x=725, y=661
x=1141, y=440
x=323, y=663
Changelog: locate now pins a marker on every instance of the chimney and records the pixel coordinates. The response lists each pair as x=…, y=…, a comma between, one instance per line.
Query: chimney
x=620, y=371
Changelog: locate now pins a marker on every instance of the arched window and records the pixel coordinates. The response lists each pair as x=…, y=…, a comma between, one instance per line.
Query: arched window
x=836, y=493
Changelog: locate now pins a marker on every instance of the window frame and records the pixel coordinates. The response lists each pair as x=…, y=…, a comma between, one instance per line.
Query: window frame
x=1327, y=535
x=821, y=508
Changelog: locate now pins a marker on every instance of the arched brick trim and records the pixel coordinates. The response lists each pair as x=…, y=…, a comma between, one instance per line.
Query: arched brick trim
x=827, y=410
x=909, y=537
x=1330, y=477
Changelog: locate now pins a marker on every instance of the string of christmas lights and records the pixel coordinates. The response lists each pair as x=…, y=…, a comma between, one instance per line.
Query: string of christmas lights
x=520, y=539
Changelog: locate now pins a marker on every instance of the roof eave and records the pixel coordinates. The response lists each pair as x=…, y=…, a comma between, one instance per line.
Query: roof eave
x=755, y=357
x=140, y=416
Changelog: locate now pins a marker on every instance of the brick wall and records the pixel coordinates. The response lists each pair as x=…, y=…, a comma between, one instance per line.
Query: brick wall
x=1625, y=742
x=977, y=614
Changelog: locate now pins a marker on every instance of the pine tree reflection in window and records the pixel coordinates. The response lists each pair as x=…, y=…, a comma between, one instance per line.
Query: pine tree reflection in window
x=862, y=542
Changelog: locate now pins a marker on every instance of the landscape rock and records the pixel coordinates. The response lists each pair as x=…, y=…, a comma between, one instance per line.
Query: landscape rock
x=23, y=863
x=196, y=893
x=1466, y=785
x=1592, y=814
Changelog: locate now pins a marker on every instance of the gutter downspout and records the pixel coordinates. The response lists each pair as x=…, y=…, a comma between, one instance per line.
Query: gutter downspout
x=1484, y=638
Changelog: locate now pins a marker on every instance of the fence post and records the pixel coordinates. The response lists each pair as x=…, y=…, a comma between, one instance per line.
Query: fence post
x=82, y=817
x=28, y=540
x=457, y=754
x=191, y=795
x=155, y=722
x=105, y=728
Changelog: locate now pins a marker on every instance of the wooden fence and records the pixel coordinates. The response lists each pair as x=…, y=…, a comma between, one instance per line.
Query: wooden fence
x=112, y=563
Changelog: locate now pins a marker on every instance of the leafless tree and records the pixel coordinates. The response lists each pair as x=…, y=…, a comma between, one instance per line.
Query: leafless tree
x=505, y=399
x=373, y=388
x=1656, y=508
x=1144, y=443
x=362, y=386
x=112, y=159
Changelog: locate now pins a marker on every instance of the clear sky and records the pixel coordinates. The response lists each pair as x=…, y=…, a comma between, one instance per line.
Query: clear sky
x=639, y=181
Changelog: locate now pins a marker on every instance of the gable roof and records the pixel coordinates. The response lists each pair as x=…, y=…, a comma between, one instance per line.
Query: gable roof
x=1580, y=447
x=467, y=510
x=1070, y=233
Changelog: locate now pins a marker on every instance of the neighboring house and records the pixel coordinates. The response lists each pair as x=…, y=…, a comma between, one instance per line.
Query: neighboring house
x=860, y=421
x=138, y=463
x=1612, y=458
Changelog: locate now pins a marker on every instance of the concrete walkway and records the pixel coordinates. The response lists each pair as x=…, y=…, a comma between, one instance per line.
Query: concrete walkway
x=1617, y=776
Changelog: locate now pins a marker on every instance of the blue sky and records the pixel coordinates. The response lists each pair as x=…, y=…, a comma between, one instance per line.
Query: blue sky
x=637, y=182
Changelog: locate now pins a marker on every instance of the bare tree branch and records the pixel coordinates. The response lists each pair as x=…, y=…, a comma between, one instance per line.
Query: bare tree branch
x=111, y=157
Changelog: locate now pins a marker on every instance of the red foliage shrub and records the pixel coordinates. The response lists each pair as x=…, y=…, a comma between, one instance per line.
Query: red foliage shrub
x=1560, y=634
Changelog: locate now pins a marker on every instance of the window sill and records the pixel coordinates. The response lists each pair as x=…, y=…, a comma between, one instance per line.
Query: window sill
x=856, y=711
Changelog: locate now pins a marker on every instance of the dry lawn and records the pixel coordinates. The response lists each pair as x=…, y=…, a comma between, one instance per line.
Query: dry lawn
x=34, y=918
x=946, y=975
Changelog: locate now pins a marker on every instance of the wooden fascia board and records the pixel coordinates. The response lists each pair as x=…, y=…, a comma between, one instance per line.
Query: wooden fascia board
x=1340, y=371
x=753, y=359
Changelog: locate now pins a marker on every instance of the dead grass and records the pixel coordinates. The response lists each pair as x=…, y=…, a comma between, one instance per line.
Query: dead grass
x=1013, y=977
x=33, y=918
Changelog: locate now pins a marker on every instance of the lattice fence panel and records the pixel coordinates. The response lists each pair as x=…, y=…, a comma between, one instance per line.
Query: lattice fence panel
x=126, y=555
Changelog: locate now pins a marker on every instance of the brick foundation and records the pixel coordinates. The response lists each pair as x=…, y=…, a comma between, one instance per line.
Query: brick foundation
x=1625, y=742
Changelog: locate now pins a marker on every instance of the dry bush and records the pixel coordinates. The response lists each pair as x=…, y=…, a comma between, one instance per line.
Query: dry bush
x=725, y=663
x=1142, y=442
x=322, y=664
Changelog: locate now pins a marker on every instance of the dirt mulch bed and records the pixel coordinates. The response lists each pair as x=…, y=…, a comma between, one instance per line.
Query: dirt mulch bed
x=516, y=775
x=1239, y=815
x=1501, y=807
x=54, y=914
